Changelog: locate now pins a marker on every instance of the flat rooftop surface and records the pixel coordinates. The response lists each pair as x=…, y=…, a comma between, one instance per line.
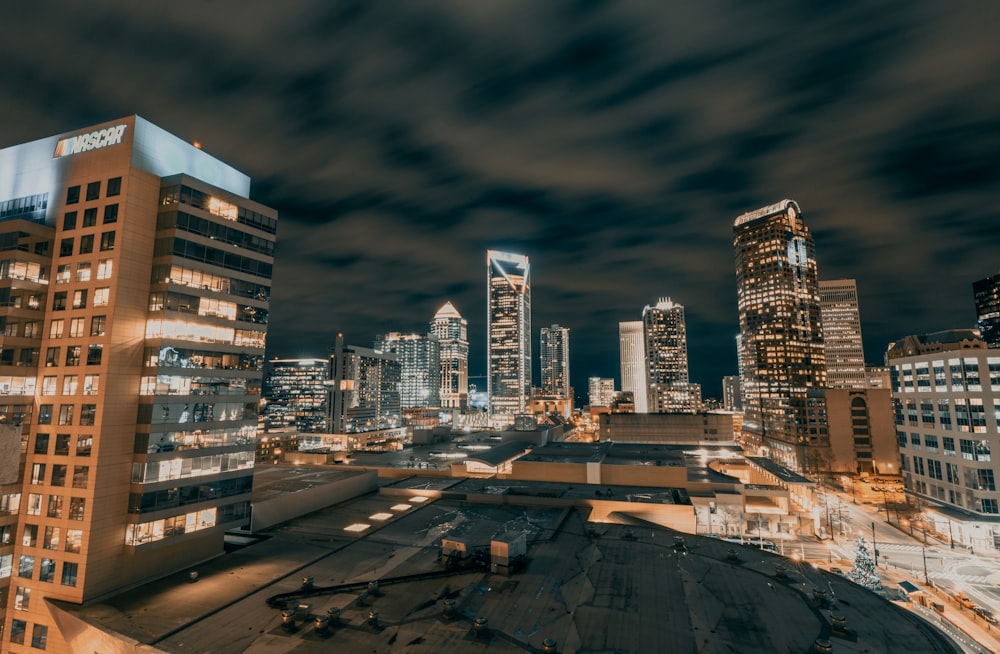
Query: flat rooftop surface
x=270, y=481
x=590, y=587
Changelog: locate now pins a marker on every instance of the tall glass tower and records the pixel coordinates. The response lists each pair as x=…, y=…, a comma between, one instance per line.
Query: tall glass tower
x=452, y=332
x=667, y=383
x=554, y=343
x=508, y=320
x=419, y=358
x=987, y=293
x=784, y=365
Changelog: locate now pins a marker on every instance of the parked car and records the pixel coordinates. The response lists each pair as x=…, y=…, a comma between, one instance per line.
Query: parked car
x=964, y=600
x=985, y=614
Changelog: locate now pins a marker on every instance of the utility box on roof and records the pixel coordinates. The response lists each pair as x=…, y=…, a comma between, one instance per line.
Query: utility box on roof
x=508, y=548
x=454, y=545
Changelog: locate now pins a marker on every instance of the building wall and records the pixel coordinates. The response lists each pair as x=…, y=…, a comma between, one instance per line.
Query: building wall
x=947, y=416
x=666, y=427
x=509, y=331
x=862, y=431
x=632, y=348
x=845, y=352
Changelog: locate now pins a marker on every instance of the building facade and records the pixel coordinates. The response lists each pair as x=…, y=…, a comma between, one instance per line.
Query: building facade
x=732, y=394
x=668, y=388
x=845, y=352
x=946, y=394
x=150, y=333
x=452, y=333
x=554, y=346
x=987, y=295
x=296, y=394
x=419, y=357
x=364, y=396
x=601, y=391
x=508, y=323
x=862, y=432
x=784, y=366
x=632, y=346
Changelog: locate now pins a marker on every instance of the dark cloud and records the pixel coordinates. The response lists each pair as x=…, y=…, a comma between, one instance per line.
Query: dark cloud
x=612, y=142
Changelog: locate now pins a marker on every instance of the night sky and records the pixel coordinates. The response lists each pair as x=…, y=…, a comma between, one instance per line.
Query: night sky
x=612, y=142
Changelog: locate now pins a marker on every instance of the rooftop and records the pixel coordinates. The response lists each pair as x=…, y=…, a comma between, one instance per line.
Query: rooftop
x=588, y=587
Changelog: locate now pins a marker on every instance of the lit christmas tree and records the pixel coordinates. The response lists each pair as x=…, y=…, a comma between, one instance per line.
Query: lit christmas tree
x=864, y=568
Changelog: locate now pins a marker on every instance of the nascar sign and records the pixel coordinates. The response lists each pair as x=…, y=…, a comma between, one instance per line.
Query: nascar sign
x=95, y=140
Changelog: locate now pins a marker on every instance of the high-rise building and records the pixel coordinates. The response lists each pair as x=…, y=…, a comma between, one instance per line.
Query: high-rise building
x=632, y=346
x=946, y=392
x=451, y=330
x=296, y=393
x=601, y=391
x=987, y=293
x=419, y=357
x=508, y=321
x=845, y=353
x=364, y=397
x=781, y=337
x=732, y=396
x=148, y=340
x=665, y=335
x=554, y=344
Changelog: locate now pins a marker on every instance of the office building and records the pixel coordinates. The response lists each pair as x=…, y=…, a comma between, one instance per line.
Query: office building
x=296, y=394
x=508, y=323
x=601, y=391
x=364, y=396
x=732, y=396
x=665, y=336
x=419, y=357
x=862, y=432
x=987, y=294
x=141, y=356
x=946, y=392
x=451, y=330
x=781, y=337
x=554, y=346
x=632, y=346
x=845, y=354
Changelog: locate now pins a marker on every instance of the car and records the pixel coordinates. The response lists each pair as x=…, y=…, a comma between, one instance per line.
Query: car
x=985, y=614
x=963, y=599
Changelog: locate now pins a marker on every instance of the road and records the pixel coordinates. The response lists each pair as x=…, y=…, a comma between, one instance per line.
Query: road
x=949, y=569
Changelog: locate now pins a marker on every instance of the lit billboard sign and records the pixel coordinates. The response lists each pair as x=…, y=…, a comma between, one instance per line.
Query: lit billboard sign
x=95, y=140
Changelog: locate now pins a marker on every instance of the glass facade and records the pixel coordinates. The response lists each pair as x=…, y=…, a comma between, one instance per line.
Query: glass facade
x=554, y=345
x=451, y=330
x=508, y=319
x=781, y=337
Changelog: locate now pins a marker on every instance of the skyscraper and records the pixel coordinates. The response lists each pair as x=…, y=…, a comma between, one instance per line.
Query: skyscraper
x=987, y=293
x=508, y=321
x=781, y=336
x=665, y=335
x=845, y=354
x=451, y=330
x=140, y=452
x=364, y=396
x=554, y=344
x=419, y=358
x=632, y=346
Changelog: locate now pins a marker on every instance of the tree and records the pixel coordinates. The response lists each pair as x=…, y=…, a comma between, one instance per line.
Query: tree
x=864, y=568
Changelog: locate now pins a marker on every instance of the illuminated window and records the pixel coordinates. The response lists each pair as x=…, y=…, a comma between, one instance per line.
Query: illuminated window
x=74, y=539
x=22, y=598
x=83, y=272
x=91, y=384
x=101, y=296
x=48, y=385
x=104, y=268
x=51, y=541
x=65, y=414
x=80, y=298
x=55, y=509
x=56, y=328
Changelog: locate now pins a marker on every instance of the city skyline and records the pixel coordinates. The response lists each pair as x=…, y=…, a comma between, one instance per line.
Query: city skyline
x=610, y=144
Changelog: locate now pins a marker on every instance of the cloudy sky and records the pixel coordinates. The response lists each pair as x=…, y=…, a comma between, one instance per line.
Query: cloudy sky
x=612, y=142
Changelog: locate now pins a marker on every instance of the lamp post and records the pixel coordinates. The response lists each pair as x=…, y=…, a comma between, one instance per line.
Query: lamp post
x=874, y=546
x=926, y=580
x=951, y=539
